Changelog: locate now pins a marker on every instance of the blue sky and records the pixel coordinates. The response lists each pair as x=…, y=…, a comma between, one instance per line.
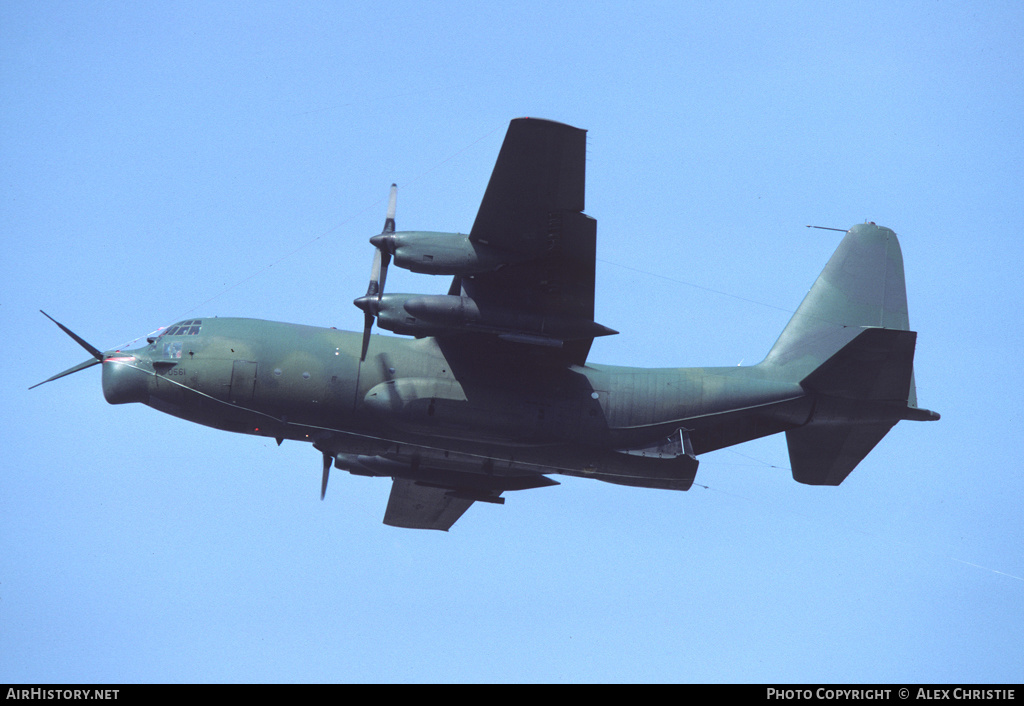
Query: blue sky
x=169, y=160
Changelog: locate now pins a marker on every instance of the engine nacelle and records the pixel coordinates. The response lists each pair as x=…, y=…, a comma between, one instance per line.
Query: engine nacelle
x=433, y=314
x=440, y=253
x=393, y=316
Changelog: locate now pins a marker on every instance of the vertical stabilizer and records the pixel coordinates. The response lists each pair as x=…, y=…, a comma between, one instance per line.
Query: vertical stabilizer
x=850, y=348
x=862, y=286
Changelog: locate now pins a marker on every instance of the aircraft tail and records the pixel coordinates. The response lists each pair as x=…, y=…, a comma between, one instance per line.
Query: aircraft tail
x=849, y=345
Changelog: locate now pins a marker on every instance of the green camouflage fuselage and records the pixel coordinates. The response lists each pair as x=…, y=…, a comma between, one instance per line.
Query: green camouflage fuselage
x=289, y=381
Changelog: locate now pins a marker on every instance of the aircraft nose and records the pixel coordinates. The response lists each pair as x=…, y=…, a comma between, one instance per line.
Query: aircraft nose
x=123, y=380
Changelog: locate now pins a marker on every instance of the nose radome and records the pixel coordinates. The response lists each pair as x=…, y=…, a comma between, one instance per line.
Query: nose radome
x=123, y=381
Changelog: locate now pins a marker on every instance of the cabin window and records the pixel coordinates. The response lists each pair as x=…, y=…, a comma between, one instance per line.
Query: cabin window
x=172, y=350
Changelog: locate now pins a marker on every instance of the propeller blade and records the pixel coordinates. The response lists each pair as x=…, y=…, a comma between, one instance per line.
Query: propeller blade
x=378, y=272
x=387, y=371
x=385, y=259
x=328, y=460
x=389, y=220
x=81, y=366
x=80, y=341
x=97, y=355
x=382, y=258
x=367, y=325
x=374, y=289
x=389, y=227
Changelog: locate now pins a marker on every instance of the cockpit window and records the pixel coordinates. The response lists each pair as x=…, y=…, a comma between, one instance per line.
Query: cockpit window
x=185, y=328
x=172, y=350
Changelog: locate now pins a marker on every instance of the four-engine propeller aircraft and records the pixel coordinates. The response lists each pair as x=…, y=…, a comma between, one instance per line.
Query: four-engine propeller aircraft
x=495, y=393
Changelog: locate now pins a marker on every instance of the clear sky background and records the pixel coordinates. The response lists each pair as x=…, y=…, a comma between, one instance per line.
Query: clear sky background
x=160, y=161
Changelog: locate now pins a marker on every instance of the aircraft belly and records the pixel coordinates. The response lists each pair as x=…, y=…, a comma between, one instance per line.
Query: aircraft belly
x=505, y=466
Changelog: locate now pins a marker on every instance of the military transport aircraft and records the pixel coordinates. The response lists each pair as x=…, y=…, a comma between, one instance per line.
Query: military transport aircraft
x=494, y=392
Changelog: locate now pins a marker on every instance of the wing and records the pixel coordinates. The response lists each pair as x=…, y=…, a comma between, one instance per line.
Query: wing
x=432, y=490
x=540, y=171
x=417, y=506
x=533, y=211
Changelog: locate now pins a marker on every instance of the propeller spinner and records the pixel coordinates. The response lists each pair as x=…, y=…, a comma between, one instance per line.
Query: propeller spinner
x=370, y=302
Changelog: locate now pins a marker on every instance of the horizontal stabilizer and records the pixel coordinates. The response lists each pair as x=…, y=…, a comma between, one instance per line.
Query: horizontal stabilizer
x=861, y=392
x=415, y=506
x=826, y=454
x=877, y=365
